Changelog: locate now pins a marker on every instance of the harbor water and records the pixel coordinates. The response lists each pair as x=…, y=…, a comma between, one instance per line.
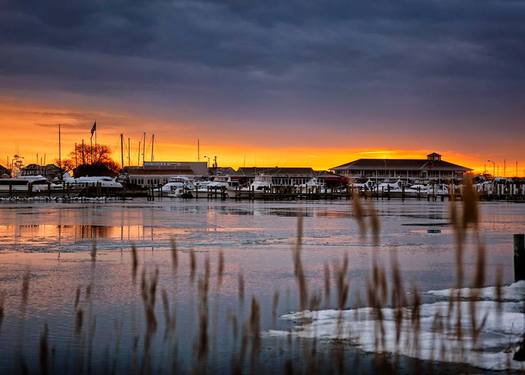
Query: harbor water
x=60, y=248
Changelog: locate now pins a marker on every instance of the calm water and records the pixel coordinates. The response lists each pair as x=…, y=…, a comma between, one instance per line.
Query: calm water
x=53, y=243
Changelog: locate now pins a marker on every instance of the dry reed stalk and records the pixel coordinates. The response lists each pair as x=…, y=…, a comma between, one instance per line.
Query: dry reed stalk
x=234, y=325
x=240, y=287
x=499, y=291
x=275, y=304
x=376, y=300
x=298, y=266
x=470, y=207
x=202, y=343
x=134, y=262
x=174, y=257
x=255, y=328
x=220, y=268
x=193, y=265
x=374, y=223
x=168, y=317
x=415, y=319
x=44, y=351
x=79, y=320
x=398, y=298
x=77, y=296
x=148, y=291
x=93, y=253
x=25, y=291
x=341, y=284
x=359, y=213
x=2, y=309
x=326, y=283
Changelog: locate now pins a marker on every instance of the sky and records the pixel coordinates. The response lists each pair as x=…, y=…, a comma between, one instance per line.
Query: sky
x=266, y=83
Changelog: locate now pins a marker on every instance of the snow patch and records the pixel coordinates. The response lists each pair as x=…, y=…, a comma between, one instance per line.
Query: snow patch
x=500, y=325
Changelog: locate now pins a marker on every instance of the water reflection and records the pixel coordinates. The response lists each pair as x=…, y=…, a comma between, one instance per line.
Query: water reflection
x=56, y=227
x=22, y=235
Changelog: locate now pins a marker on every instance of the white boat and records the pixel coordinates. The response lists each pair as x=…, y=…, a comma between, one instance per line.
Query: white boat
x=261, y=183
x=312, y=184
x=390, y=187
x=437, y=189
x=485, y=187
x=222, y=183
x=369, y=185
x=22, y=183
x=178, y=187
x=86, y=181
x=202, y=186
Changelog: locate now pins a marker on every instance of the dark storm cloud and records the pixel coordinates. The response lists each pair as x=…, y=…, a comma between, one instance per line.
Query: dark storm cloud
x=325, y=61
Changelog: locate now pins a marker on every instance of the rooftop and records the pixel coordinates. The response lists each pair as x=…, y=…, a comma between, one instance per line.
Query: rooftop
x=275, y=170
x=432, y=162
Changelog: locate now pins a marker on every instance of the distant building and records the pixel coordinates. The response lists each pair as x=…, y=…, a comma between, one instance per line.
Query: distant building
x=157, y=173
x=288, y=176
x=222, y=171
x=49, y=171
x=432, y=168
x=4, y=172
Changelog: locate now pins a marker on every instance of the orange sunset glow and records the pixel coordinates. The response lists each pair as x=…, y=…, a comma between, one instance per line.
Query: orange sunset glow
x=31, y=130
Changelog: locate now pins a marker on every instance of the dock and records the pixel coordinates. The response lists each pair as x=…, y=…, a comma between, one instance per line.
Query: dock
x=505, y=191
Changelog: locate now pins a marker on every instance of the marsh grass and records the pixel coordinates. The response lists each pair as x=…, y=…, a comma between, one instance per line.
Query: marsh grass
x=385, y=287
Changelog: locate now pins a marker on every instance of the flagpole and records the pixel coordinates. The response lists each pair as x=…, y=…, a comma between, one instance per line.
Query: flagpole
x=59, y=147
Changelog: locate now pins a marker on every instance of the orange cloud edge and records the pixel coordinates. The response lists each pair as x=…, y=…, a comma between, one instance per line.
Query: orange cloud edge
x=31, y=130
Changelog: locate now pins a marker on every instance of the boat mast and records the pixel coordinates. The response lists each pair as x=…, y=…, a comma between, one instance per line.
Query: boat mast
x=122, y=150
x=144, y=148
x=138, y=156
x=152, y=144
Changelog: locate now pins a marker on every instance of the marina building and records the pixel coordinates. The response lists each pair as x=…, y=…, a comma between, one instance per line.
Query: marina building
x=157, y=173
x=288, y=176
x=433, y=168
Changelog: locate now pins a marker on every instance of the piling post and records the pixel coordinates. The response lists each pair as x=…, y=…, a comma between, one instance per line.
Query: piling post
x=519, y=257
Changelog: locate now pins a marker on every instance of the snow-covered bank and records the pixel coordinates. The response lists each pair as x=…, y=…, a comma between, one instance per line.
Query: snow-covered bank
x=439, y=336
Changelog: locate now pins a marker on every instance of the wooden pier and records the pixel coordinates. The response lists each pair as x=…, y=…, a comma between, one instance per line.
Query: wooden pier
x=504, y=191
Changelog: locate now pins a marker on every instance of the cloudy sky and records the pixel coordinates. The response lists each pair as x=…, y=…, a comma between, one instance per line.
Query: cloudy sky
x=296, y=82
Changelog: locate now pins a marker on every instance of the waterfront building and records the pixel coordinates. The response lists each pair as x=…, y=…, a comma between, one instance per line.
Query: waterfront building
x=157, y=173
x=288, y=176
x=433, y=168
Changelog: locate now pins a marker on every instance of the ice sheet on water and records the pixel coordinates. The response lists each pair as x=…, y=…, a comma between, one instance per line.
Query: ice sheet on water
x=514, y=292
x=502, y=327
